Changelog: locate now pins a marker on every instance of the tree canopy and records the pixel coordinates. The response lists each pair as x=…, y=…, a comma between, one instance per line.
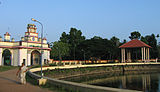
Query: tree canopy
x=74, y=45
x=151, y=41
x=59, y=49
x=135, y=35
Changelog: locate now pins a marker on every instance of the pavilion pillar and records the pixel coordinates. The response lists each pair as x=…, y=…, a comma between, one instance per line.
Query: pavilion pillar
x=142, y=54
x=129, y=53
x=128, y=56
x=148, y=54
x=123, y=55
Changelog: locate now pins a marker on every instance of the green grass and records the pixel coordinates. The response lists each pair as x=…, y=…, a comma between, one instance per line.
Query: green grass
x=46, y=65
x=5, y=68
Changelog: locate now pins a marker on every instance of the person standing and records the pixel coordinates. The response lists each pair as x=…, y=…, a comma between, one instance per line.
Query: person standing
x=21, y=73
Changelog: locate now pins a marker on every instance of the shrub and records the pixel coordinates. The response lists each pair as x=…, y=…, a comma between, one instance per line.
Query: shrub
x=52, y=64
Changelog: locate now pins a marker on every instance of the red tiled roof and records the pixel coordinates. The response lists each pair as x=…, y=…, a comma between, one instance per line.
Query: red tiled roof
x=134, y=44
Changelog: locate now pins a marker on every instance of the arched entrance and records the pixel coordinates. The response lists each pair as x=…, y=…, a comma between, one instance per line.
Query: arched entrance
x=35, y=57
x=6, y=57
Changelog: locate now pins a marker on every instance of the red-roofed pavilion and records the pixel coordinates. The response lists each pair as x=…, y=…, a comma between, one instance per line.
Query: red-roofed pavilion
x=135, y=43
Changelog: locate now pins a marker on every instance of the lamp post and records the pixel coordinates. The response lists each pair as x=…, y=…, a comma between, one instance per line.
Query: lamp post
x=41, y=42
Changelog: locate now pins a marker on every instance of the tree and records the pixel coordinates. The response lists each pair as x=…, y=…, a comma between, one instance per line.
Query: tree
x=96, y=37
x=96, y=49
x=157, y=36
x=59, y=49
x=124, y=41
x=74, y=38
x=135, y=35
x=115, y=41
x=115, y=50
x=64, y=37
x=143, y=39
x=151, y=39
x=158, y=51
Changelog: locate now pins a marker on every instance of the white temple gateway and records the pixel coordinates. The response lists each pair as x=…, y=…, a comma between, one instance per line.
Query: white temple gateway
x=28, y=50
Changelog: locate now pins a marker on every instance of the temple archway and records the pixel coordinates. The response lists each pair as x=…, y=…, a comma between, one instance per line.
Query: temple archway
x=35, y=57
x=6, y=57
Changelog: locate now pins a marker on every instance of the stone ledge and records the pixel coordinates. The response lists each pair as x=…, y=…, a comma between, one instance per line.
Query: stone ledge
x=79, y=86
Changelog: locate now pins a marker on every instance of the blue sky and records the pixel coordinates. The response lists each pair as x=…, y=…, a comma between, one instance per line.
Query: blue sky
x=104, y=18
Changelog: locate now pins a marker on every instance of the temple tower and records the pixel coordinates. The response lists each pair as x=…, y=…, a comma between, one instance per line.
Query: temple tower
x=31, y=34
x=7, y=36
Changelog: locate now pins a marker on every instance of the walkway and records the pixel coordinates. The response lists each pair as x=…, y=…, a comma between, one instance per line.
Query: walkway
x=92, y=65
x=10, y=83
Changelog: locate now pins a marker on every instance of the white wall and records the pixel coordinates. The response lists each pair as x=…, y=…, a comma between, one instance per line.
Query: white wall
x=1, y=56
x=22, y=55
x=45, y=55
x=29, y=59
x=15, y=57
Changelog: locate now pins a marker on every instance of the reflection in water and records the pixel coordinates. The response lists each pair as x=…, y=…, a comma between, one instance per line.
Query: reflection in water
x=147, y=82
x=144, y=82
x=132, y=81
x=159, y=83
x=124, y=82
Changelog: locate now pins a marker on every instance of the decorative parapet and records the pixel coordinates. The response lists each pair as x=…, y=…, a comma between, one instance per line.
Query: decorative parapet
x=1, y=38
x=13, y=40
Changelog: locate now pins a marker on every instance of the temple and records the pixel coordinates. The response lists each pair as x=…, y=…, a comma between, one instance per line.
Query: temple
x=27, y=50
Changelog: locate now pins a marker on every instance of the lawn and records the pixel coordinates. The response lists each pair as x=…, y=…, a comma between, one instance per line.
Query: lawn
x=5, y=68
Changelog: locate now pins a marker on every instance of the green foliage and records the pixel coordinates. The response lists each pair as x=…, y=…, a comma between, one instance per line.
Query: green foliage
x=52, y=64
x=74, y=46
x=5, y=68
x=135, y=35
x=115, y=41
x=144, y=39
x=97, y=37
x=73, y=39
x=157, y=36
x=158, y=51
x=115, y=50
x=64, y=38
x=151, y=41
x=59, y=49
x=36, y=66
x=96, y=49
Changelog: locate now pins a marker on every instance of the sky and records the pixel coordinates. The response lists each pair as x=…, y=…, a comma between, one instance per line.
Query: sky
x=104, y=18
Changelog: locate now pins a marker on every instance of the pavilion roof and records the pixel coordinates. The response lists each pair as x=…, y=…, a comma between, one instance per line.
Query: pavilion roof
x=135, y=43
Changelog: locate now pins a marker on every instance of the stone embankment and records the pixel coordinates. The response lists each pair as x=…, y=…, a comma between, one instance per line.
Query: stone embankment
x=78, y=87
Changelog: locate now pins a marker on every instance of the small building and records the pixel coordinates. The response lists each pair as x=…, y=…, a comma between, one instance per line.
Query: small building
x=27, y=50
x=131, y=46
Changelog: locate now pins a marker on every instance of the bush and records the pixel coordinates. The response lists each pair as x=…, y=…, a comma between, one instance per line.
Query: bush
x=36, y=66
x=52, y=64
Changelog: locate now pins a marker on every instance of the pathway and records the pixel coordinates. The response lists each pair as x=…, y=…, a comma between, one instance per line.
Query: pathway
x=10, y=83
